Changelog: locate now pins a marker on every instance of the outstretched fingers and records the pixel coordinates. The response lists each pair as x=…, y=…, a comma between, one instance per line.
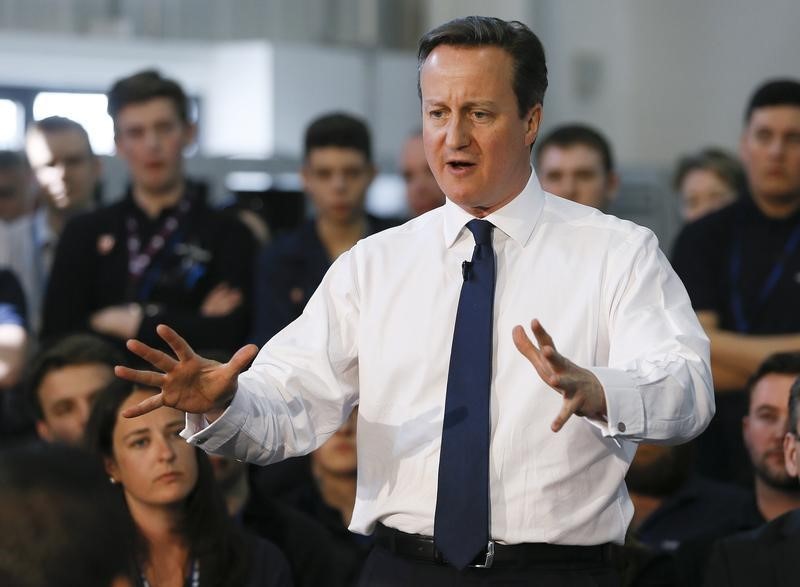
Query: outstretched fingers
x=243, y=357
x=176, y=342
x=146, y=378
x=534, y=355
x=570, y=406
x=157, y=358
x=145, y=406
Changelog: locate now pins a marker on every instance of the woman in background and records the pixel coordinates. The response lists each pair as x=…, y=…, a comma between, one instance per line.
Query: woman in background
x=707, y=181
x=185, y=537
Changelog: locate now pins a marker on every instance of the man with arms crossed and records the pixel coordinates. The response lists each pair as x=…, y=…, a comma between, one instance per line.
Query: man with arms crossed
x=509, y=499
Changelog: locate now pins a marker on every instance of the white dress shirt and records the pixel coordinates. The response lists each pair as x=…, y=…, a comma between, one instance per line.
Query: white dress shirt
x=378, y=333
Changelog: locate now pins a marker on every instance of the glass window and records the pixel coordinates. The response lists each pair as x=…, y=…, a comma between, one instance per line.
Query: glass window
x=11, y=124
x=87, y=109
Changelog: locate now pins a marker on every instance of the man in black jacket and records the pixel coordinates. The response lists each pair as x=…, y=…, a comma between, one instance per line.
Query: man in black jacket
x=766, y=556
x=160, y=254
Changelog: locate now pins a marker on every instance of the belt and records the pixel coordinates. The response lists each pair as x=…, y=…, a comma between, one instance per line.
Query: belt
x=422, y=548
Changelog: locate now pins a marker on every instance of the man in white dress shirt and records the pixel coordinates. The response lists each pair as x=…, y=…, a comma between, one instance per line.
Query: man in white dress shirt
x=623, y=358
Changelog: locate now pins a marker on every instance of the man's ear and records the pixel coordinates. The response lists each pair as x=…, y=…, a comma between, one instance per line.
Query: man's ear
x=533, y=120
x=790, y=454
x=43, y=431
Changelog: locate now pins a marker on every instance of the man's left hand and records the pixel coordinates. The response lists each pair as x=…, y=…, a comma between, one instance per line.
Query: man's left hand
x=582, y=391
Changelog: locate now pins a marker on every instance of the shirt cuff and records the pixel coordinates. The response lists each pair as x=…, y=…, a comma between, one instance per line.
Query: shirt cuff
x=211, y=436
x=624, y=403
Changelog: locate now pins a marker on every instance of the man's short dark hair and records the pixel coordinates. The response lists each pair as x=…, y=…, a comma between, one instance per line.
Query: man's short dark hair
x=569, y=135
x=525, y=48
x=717, y=161
x=779, y=363
x=794, y=407
x=56, y=124
x=73, y=349
x=143, y=87
x=338, y=130
x=776, y=92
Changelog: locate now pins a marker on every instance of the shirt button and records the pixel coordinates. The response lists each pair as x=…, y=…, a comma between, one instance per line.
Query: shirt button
x=621, y=426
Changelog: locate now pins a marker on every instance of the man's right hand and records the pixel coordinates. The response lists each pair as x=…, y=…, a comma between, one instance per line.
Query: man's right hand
x=189, y=382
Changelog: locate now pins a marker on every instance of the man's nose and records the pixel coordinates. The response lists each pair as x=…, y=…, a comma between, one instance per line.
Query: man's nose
x=457, y=133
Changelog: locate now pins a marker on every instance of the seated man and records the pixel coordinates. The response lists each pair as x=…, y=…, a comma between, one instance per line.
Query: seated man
x=575, y=162
x=766, y=556
x=62, y=382
x=422, y=191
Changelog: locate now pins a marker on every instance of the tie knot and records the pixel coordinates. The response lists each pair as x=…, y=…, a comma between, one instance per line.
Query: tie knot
x=481, y=230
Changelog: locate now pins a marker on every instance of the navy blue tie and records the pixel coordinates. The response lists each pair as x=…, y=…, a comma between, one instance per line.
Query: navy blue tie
x=461, y=523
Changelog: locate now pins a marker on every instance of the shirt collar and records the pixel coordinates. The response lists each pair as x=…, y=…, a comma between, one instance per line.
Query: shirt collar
x=517, y=219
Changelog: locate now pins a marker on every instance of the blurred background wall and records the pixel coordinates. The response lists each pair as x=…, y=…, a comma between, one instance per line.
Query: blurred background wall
x=658, y=78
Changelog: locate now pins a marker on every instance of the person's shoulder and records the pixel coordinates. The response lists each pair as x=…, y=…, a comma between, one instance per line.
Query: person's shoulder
x=293, y=243
x=710, y=226
x=394, y=232
x=100, y=220
x=781, y=528
x=585, y=222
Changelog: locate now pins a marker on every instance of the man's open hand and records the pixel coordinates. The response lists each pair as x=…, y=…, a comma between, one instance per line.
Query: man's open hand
x=583, y=393
x=188, y=382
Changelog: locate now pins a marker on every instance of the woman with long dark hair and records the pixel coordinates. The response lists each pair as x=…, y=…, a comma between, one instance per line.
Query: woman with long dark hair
x=185, y=537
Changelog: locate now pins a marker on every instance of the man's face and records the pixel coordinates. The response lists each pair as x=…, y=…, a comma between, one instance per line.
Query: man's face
x=336, y=179
x=66, y=395
x=64, y=166
x=422, y=192
x=770, y=152
x=791, y=452
x=765, y=426
x=13, y=194
x=476, y=143
x=150, y=137
x=576, y=172
x=703, y=192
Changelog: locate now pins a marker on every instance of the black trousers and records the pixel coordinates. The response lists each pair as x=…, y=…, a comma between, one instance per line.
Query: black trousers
x=383, y=568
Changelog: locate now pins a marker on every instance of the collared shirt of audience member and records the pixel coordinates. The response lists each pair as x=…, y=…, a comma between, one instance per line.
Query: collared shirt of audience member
x=766, y=556
x=377, y=333
x=422, y=191
x=707, y=181
x=185, y=535
x=576, y=162
x=337, y=171
x=159, y=254
x=62, y=382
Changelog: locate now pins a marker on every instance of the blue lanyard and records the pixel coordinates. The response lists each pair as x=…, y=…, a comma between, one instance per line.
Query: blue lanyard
x=742, y=323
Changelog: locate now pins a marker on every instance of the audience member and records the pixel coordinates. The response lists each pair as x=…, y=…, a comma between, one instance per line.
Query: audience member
x=575, y=162
x=332, y=496
x=764, y=428
x=67, y=173
x=62, y=526
x=185, y=535
x=63, y=381
x=313, y=554
x=15, y=186
x=337, y=170
x=159, y=255
x=707, y=181
x=739, y=265
x=422, y=192
x=766, y=556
